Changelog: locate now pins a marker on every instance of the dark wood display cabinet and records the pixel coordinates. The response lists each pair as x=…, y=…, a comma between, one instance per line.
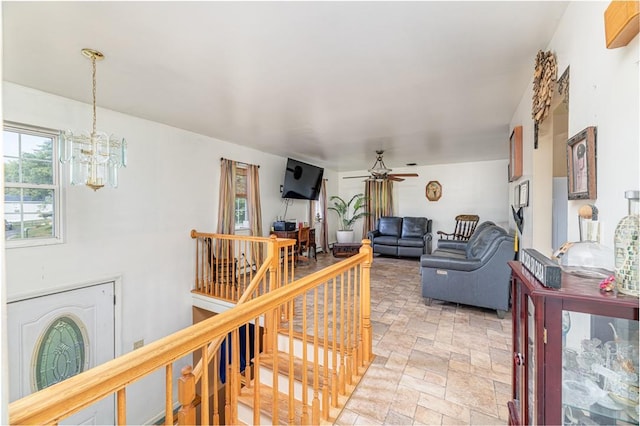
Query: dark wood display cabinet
x=575, y=353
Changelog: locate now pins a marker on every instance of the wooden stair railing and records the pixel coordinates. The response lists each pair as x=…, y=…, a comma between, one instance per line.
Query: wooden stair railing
x=330, y=306
x=276, y=248
x=227, y=264
x=335, y=380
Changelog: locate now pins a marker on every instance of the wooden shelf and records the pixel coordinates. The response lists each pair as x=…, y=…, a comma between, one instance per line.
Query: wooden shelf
x=621, y=23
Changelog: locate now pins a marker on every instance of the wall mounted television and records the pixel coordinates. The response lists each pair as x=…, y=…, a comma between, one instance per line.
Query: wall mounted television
x=302, y=181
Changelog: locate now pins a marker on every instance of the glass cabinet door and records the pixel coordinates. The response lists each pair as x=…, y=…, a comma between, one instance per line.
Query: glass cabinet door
x=519, y=383
x=599, y=369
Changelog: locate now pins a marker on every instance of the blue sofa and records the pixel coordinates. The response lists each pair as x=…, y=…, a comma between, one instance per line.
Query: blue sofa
x=401, y=236
x=476, y=273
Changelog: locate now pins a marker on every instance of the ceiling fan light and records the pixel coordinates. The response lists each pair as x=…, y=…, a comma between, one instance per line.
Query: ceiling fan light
x=379, y=170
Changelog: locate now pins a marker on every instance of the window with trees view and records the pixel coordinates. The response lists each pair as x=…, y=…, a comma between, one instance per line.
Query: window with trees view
x=31, y=191
x=241, y=216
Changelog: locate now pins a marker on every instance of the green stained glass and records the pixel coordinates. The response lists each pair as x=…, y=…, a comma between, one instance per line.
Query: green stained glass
x=61, y=353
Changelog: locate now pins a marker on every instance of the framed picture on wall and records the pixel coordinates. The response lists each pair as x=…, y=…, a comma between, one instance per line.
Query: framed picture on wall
x=515, y=154
x=516, y=196
x=581, y=165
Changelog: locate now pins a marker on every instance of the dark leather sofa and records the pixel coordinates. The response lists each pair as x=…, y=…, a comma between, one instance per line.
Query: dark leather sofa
x=401, y=236
x=475, y=274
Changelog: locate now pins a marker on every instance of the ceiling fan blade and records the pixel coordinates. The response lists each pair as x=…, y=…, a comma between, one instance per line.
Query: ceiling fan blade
x=394, y=178
x=404, y=174
x=354, y=177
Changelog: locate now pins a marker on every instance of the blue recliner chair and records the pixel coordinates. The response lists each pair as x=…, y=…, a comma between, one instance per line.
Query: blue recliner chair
x=476, y=274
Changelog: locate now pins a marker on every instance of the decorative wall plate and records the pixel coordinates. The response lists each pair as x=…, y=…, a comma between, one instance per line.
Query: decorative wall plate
x=433, y=190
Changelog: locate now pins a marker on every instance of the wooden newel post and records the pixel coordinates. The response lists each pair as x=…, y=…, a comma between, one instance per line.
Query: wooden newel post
x=367, y=336
x=186, y=396
x=273, y=250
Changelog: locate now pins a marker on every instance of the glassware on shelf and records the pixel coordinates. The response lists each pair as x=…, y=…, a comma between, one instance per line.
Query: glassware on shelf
x=586, y=361
x=626, y=247
x=581, y=393
x=591, y=345
x=569, y=360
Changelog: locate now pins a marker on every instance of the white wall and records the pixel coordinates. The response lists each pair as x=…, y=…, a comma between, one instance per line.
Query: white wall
x=467, y=188
x=139, y=231
x=604, y=92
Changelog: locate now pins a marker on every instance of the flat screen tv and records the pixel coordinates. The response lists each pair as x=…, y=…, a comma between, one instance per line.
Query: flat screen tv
x=301, y=180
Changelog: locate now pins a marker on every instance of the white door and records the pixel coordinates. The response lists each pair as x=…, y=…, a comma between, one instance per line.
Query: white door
x=57, y=336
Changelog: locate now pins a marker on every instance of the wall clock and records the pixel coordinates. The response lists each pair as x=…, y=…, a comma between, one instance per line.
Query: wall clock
x=433, y=190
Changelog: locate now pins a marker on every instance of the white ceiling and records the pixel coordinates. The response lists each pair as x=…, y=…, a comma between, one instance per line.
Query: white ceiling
x=323, y=82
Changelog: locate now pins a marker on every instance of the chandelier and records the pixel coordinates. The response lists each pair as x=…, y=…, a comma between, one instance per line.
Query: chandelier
x=94, y=157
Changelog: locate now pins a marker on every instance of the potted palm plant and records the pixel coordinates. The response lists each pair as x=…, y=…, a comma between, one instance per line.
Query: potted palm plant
x=346, y=216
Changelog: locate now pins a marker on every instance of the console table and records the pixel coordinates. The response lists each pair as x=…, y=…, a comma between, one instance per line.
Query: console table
x=294, y=236
x=345, y=249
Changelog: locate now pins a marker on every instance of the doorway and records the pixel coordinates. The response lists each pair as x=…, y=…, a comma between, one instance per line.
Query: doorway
x=548, y=192
x=56, y=336
x=560, y=205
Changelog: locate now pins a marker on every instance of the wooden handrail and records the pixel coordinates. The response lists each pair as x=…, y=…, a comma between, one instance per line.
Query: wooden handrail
x=226, y=264
x=63, y=399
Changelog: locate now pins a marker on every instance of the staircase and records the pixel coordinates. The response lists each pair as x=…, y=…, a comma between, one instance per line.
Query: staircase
x=308, y=392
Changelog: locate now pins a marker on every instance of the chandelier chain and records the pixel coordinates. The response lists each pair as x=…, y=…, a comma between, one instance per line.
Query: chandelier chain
x=93, y=64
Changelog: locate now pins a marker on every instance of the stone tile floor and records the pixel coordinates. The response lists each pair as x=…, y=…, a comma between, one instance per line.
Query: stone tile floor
x=439, y=364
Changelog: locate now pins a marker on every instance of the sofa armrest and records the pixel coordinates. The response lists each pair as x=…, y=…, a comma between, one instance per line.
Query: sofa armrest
x=372, y=234
x=450, y=263
x=427, y=238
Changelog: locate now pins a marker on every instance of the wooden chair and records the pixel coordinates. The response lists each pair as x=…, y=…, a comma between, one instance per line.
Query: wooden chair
x=465, y=225
x=303, y=244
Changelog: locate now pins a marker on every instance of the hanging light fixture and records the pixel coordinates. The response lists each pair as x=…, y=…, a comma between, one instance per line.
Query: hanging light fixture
x=96, y=157
x=379, y=169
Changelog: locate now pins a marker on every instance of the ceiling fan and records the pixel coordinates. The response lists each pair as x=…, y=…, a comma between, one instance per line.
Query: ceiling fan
x=380, y=172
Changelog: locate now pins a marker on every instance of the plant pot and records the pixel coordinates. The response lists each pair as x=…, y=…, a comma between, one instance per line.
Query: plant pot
x=345, y=236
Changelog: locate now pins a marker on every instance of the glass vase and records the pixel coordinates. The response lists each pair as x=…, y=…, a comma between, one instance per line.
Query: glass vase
x=626, y=247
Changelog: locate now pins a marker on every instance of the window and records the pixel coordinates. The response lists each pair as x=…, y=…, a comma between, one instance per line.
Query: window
x=31, y=188
x=241, y=213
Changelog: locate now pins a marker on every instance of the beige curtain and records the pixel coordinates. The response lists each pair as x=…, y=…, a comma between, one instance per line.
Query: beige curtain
x=254, y=210
x=321, y=238
x=379, y=195
x=226, y=207
x=227, y=198
x=253, y=200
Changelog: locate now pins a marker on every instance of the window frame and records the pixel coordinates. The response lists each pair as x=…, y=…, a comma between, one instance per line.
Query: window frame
x=241, y=170
x=55, y=186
